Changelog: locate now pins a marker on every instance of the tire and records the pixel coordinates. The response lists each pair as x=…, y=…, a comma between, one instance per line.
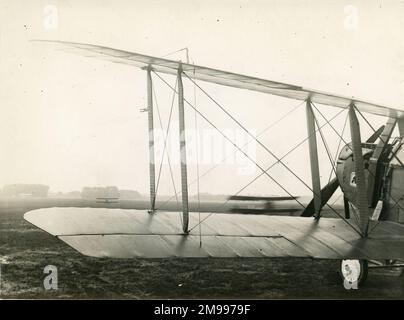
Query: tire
x=353, y=273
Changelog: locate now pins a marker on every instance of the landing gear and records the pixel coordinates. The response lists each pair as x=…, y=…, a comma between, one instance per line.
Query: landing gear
x=353, y=273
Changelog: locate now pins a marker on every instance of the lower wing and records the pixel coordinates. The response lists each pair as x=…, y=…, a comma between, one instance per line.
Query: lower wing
x=121, y=233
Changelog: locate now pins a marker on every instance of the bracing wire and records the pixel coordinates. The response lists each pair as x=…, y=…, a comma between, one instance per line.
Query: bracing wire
x=248, y=142
x=246, y=155
x=374, y=130
x=262, y=145
x=176, y=51
x=251, y=135
x=326, y=146
x=394, y=155
x=329, y=154
x=351, y=149
x=339, y=146
x=164, y=148
x=234, y=144
x=286, y=154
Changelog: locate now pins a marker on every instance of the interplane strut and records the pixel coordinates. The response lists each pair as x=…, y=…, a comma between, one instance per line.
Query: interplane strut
x=315, y=171
x=361, y=211
x=183, y=153
x=152, y=163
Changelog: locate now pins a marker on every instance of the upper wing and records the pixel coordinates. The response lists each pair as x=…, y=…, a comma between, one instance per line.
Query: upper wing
x=225, y=78
x=135, y=233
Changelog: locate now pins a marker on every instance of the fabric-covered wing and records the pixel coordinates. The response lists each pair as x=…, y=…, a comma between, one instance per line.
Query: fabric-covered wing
x=136, y=233
x=224, y=77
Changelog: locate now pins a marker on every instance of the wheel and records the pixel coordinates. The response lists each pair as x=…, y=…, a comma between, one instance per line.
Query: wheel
x=353, y=273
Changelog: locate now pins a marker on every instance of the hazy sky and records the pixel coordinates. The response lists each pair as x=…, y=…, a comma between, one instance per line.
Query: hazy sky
x=70, y=121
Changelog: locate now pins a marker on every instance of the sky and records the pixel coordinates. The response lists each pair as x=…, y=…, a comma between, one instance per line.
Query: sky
x=69, y=121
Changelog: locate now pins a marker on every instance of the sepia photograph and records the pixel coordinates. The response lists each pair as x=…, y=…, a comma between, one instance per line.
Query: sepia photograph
x=188, y=150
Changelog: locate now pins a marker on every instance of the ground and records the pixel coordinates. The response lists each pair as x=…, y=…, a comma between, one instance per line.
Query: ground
x=26, y=250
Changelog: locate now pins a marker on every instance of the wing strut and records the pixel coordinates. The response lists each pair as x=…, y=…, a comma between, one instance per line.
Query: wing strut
x=183, y=153
x=152, y=164
x=361, y=212
x=400, y=124
x=375, y=161
x=315, y=171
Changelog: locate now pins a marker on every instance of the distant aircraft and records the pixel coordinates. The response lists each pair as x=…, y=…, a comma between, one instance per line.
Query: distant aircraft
x=370, y=175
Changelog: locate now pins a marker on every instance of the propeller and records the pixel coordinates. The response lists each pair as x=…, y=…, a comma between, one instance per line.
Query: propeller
x=375, y=135
x=327, y=192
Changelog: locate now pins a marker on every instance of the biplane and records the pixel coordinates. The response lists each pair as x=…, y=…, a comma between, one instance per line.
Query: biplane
x=369, y=173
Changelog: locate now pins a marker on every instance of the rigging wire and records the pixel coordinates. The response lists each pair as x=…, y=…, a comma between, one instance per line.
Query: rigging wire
x=290, y=151
x=165, y=146
x=333, y=165
x=394, y=155
x=234, y=144
x=374, y=130
x=335, y=159
x=351, y=150
x=250, y=134
x=246, y=155
x=329, y=155
x=341, y=137
x=262, y=145
x=284, y=156
x=248, y=142
x=325, y=145
x=339, y=145
x=179, y=50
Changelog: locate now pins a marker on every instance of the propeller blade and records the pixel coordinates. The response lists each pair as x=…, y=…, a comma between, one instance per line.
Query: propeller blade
x=375, y=135
x=256, y=198
x=326, y=194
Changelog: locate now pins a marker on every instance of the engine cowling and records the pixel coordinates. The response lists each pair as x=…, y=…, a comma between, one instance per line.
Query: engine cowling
x=388, y=178
x=346, y=172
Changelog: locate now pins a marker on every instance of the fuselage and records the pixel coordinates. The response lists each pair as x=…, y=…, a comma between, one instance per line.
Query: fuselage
x=388, y=178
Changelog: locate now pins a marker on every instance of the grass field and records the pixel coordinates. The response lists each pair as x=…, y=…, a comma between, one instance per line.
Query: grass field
x=26, y=250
